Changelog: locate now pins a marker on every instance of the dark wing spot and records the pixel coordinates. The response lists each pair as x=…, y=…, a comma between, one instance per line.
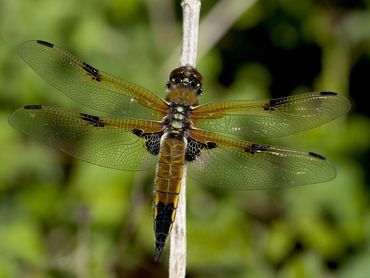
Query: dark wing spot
x=137, y=132
x=328, y=94
x=255, y=148
x=47, y=44
x=275, y=102
x=315, y=155
x=261, y=147
x=194, y=148
x=152, y=140
x=33, y=107
x=92, y=71
x=94, y=120
x=211, y=145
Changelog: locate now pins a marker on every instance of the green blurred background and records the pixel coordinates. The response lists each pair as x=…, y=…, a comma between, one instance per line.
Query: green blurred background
x=64, y=218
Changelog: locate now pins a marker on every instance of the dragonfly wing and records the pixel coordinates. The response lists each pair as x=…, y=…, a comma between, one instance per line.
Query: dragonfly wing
x=229, y=163
x=271, y=118
x=90, y=86
x=112, y=143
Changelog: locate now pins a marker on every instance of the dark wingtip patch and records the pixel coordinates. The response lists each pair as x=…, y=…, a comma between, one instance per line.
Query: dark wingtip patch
x=328, y=94
x=315, y=155
x=47, y=44
x=33, y=107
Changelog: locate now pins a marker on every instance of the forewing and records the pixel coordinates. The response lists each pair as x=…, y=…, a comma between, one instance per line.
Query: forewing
x=90, y=86
x=111, y=143
x=270, y=118
x=234, y=164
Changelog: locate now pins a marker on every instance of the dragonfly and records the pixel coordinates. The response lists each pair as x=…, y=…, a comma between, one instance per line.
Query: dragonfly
x=143, y=130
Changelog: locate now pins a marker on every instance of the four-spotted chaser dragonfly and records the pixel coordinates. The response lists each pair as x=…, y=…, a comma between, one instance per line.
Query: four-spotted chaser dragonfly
x=145, y=130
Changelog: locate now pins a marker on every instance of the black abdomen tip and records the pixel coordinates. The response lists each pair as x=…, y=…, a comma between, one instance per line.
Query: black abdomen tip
x=158, y=252
x=48, y=44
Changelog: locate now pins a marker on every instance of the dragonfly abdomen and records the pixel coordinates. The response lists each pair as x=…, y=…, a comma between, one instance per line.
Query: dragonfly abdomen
x=167, y=188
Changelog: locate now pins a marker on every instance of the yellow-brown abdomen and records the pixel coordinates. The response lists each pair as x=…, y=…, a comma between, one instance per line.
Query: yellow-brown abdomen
x=167, y=187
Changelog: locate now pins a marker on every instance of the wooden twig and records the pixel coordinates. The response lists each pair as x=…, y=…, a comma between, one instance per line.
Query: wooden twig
x=191, y=10
x=177, y=261
x=213, y=26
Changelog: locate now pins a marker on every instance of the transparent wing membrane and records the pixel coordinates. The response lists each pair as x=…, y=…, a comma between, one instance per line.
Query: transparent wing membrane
x=243, y=165
x=90, y=86
x=270, y=118
x=111, y=143
x=132, y=144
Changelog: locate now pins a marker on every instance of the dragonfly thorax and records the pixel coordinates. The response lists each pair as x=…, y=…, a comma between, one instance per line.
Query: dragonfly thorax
x=177, y=121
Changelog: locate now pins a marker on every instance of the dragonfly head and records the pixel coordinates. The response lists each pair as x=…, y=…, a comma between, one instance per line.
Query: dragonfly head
x=186, y=77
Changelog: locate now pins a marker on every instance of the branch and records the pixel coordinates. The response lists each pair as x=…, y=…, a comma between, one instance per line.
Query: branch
x=214, y=25
x=190, y=11
x=177, y=261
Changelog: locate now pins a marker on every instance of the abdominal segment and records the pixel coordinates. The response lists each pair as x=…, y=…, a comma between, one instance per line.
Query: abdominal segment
x=167, y=188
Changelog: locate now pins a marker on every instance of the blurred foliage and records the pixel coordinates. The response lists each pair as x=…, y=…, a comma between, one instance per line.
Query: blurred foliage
x=65, y=218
